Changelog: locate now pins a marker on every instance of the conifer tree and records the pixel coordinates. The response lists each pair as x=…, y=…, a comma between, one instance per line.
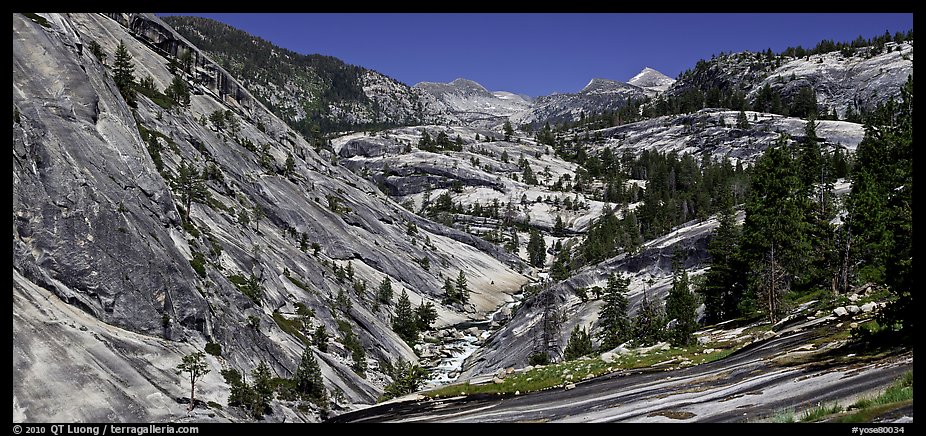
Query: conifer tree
x=536, y=249
x=192, y=187
x=124, y=73
x=384, y=292
x=308, y=377
x=775, y=231
x=880, y=206
x=722, y=289
x=404, y=322
x=649, y=322
x=195, y=365
x=450, y=292
x=681, y=304
x=612, y=317
x=580, y=344
x=462, y=290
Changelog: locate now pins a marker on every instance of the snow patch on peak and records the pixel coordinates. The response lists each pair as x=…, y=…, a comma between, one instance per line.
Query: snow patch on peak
x=651, y=80
x=510, y=96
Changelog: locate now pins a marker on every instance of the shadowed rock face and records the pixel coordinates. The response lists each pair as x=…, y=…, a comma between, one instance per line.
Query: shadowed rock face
x=97, y=227
x=93, y=219
x=513, y=344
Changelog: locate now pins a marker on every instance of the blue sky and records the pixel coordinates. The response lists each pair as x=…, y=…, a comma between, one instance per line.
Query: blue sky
x=538, y=54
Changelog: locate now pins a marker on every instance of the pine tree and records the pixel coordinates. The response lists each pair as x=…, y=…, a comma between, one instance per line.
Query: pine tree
x=406, y=378
x=462, y=290
x=580, y=344
x=308, y=377
x=123, y=74
x=880, y=206
x=528, y=175
x=290, y=165
x=178, y=92
x=681, y=305
x=384, y=292
x=741, y=121
x=343, y=302
x=559, y=227
x=97, y=51
x=775, y=231
x=612, y=316
x=192, y=187
x=810, y=161
x=536, y=249
x=508, y=130
x=722, y=289
x=195, y=365
x=450, y=292
x=404, y=322
x=649, y=322
x=263, y=389
x=320, y=338
x=425, y=315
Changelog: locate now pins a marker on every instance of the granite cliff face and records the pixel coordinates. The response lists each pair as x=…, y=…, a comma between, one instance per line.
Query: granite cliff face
x=310, y=92
x=113, y=283
x=99, y=227
x=860, y=80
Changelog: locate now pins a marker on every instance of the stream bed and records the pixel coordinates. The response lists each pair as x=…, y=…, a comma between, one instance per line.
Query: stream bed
x=444, y=360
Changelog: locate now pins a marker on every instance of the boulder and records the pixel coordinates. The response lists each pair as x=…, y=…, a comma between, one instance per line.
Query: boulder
x=501, y=373
x=853, y=298
x=868, y=307
x=497, y=380
x=853, y=309
x=569, y=386
x=608, y=356
x=502, y=315
x=840, y=311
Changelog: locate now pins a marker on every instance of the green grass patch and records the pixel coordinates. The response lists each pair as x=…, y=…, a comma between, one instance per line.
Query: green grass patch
x=869, y=414
x=784, y=417
x=250, y=287
x=157, y=97
x=558, y=374
x=900, y=390
x=291, y=326
x=821, y=295
x=216, y=204
x=882, y=294
x=899, y=394
x=819, y=412
x=198, y=262
x=300, y=284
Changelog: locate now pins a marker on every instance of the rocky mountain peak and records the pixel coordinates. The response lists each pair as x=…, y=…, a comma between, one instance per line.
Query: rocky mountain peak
x=599, y=85
x=469, y=85
x=651, y=78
